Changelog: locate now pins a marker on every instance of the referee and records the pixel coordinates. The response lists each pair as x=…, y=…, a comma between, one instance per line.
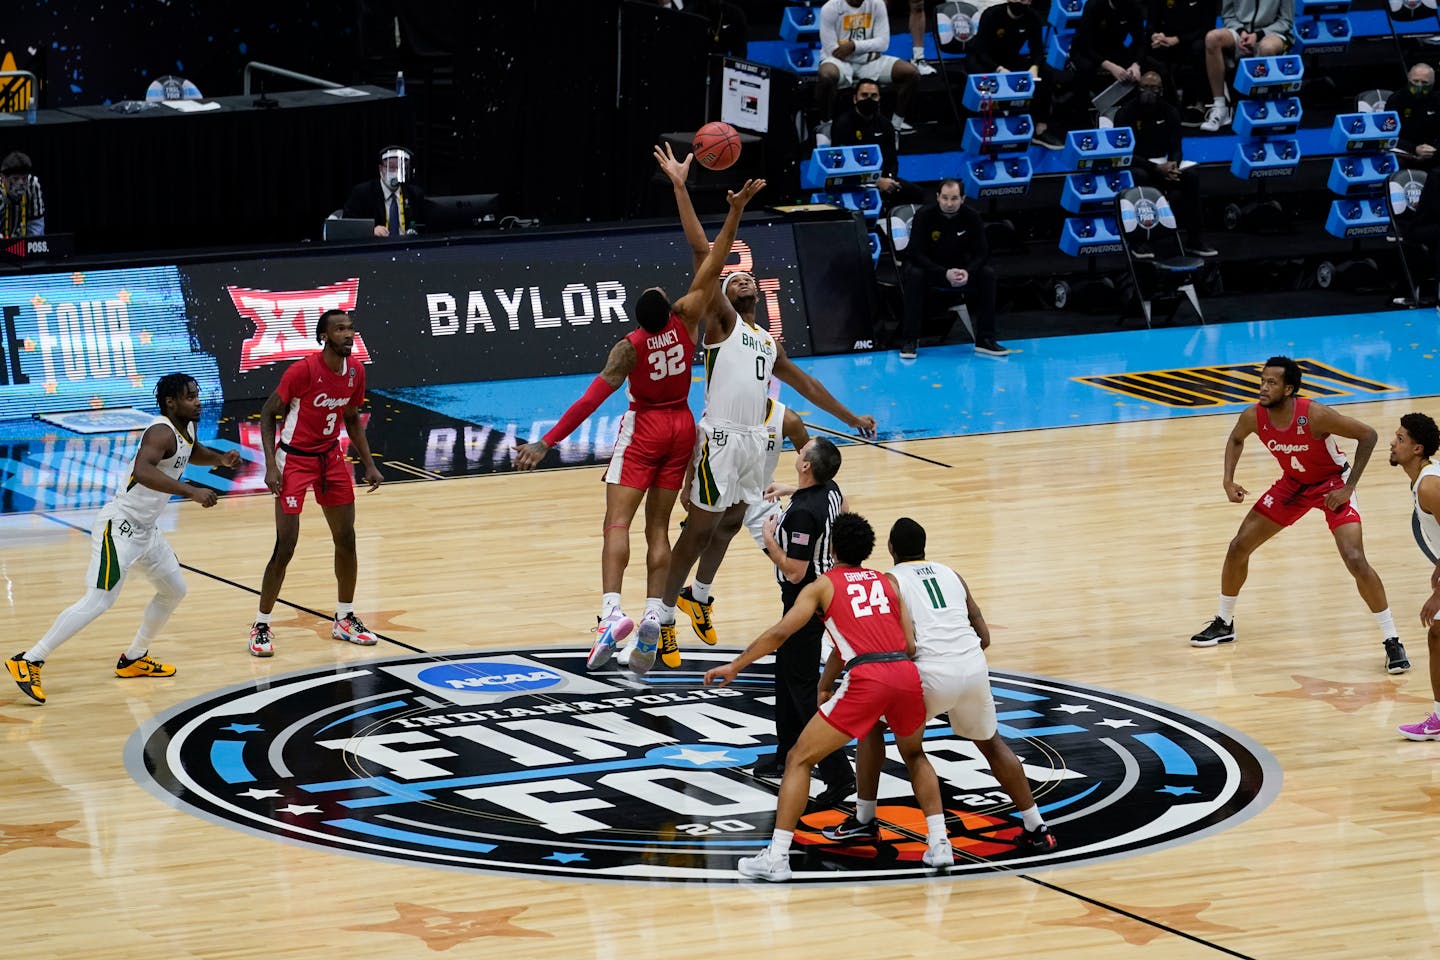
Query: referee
x=798, y=543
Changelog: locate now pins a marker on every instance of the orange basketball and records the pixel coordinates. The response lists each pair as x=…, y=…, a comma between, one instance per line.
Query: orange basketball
x=717, y=145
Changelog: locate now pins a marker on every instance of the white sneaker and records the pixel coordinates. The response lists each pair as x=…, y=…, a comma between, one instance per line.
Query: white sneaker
x=900, y=125
x=1216, y=117
x=923, y=68
x=765, y=865
x=642, y=654
x=609, y=633
x=939, y=855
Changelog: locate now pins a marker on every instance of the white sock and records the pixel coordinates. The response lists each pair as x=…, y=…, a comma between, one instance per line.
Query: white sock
x=343, y=610
x=157, y=613
x=1436, y=705
x=919, y=53
x=71, y=621
x=1227, y=608
x=700, y=591
x=1385, y=620
x=652, y=607
x=780, y=842
x=609, y=603
x=1219, y=102
x=864, y=810
x=667, y=615
x=897, y=121
x=1032, y=818
x=935, y=829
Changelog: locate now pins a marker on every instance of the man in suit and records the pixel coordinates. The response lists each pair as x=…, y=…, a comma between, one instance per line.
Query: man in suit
x=391, y=200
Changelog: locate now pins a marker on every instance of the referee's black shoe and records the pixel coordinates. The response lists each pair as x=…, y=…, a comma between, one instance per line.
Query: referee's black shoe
x=833, y=794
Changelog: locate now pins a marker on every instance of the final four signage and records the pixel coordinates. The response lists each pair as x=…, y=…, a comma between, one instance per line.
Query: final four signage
x=523, y=763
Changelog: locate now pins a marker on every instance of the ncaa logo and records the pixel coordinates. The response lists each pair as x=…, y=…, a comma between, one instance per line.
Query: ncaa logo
x=1146, y=216
x=524, y=764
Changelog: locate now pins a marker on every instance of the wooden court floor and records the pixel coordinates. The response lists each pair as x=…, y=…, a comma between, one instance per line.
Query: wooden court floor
x=1095, y=552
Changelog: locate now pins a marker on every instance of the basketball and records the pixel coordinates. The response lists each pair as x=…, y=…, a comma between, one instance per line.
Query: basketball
x=717, y=145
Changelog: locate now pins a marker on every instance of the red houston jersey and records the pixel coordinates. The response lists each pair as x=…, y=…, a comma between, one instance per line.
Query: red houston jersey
x=864, y=614
x=1303, y=458
x=662, y=376
x=317, y=399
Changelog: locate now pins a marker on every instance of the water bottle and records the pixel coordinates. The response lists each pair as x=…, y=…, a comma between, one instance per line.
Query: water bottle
x=399, y=83
x=30, y=110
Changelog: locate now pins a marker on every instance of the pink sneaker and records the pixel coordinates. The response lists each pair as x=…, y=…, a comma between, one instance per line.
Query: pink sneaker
x=609, y=633
x=1427, y=729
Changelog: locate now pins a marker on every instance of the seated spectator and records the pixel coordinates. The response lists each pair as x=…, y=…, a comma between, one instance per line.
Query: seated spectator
x=1248, y=28
x=1105, y=49
x=865, y=122
x=1419, y=113
x=948, y=255
x=1156, y=122
x=1175, y=33
x=854, y=35
x=729, y=26
x=391, y=200
x=22, y=207
x=1009, y=38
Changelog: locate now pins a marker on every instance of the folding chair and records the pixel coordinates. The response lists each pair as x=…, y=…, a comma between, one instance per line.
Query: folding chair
x=955, y=26
x=1403, y=189
x=1144, y=215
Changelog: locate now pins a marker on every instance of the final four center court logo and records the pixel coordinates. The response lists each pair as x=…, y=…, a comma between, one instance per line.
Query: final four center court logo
x=521, y=762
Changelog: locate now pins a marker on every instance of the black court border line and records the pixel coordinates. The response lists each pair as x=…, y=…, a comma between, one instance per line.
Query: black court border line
x=1056, y=888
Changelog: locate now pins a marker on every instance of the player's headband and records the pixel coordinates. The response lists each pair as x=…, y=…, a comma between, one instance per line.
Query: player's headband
x=725, y=283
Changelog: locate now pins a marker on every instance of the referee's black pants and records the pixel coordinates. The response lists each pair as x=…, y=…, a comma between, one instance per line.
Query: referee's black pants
x=797, y=684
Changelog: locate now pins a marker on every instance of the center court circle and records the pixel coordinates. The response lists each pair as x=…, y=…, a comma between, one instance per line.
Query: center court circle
x=523, y=763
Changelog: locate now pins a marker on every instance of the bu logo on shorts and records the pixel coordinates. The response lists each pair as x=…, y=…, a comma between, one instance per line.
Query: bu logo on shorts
x=719, y=437
x=125, y=528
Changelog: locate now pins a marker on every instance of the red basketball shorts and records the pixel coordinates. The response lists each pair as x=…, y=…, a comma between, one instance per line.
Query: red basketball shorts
x=328, y=473
x=1288, y=500
x=875, y=691
x=653, y=448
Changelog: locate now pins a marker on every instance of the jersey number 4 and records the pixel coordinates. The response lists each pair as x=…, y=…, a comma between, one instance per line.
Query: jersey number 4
x=667, y=363
x=1296, y=465
x=864, y=602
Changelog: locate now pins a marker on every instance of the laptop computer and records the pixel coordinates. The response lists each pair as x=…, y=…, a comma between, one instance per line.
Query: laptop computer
x=349, y=228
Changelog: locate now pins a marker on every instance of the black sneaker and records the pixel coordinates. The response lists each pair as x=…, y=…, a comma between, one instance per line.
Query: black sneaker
x=1217, y=632
x=990, y=348
x=909, y=349
x=1141, y=250
x=1395, y=659
x=1038, y=841
x=769, y=769
x=1048, y=139
x=833, y=794
x=1193, y=115
x=851, y=830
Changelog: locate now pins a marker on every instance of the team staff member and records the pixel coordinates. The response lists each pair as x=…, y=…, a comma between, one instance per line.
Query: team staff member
x=125, y=536
x=316, y=395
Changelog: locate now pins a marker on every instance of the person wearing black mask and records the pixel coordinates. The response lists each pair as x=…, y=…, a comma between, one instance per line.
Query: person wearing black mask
x=1175, y=33
x=864, y=122
x=948, y=253
x=1419, y=111
x=1105, y=50
x=1156, y=123
x=1010, y=38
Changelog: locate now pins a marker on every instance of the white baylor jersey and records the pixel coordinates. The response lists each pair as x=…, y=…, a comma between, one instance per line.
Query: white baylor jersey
x=137, y=502
x=737, y=376
x=1425, y=526
x=936, y=598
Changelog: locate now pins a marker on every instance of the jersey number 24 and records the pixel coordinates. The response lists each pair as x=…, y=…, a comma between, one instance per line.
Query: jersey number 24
x=864, y=602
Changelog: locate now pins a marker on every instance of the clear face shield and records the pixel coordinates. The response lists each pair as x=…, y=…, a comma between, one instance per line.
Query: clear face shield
x=396, y=166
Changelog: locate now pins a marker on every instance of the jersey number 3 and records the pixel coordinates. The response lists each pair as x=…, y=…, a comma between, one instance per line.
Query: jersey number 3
x=865, y=602
x=330, y=423
x=667, y=363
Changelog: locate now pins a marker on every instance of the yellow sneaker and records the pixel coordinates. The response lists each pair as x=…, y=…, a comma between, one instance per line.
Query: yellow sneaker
x=699, y=614
x=669, y=646
x=26, y=676
x=143, y=666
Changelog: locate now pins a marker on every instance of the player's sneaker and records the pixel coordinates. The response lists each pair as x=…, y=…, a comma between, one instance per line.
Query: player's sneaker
x=261, y=641
x=1395, y=659
x=765, y=865
x=642, y=654
x=143, y=666
x=699, y=614
x=1427, y=729
x=669, y=646
x=1038, y=841
x=851, y=830
x=352, y=628
x=610, y=632
x=939, y=854
x=26, y=674
x=923, y=68
x=1217, y=632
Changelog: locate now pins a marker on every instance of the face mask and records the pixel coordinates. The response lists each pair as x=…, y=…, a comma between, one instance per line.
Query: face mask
x=867, y=108
x=1421, y=89
x=1149, y=97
